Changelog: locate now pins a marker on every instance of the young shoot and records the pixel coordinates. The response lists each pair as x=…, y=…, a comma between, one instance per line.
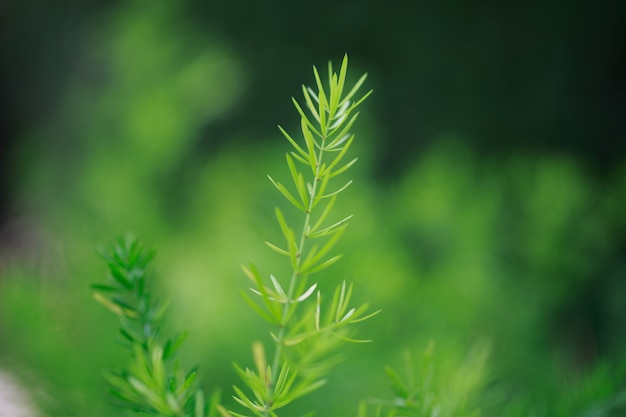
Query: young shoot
x=153, y=384
x=307, y=327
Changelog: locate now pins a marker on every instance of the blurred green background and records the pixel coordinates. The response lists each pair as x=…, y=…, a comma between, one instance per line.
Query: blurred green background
x=488, y=198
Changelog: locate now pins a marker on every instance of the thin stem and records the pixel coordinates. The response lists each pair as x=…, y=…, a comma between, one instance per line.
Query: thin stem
x=280, y=337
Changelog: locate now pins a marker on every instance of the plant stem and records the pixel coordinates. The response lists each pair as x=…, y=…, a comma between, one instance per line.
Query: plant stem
x=280, y=337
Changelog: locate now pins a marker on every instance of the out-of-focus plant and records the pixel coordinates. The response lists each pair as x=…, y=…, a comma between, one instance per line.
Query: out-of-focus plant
x=424, y=393
x=153, y=383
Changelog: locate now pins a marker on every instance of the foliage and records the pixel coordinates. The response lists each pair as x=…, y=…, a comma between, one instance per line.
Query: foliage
x=304, y=337
x=525, y=249
x=153, y=383
x=423, y=393
x=307, y=330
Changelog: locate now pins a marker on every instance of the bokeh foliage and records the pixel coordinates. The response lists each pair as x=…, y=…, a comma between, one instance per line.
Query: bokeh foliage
x=520, y=251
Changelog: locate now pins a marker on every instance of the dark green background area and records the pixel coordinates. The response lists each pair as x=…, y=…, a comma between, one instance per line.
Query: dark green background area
x=541, y=76
x=488, y=197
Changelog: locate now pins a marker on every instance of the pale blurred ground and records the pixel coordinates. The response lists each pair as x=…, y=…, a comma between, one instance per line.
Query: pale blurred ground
x=13, y=401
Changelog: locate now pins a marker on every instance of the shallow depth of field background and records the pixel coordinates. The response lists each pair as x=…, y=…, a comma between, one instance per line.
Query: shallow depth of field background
x=488, y=199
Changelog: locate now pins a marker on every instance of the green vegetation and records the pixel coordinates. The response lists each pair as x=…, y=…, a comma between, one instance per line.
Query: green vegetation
x=304, y=338
x=306, y=335
x=153, y=384
x=499, y=275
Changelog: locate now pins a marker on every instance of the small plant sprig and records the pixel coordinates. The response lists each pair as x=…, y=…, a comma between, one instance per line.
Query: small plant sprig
x=153, y=384
x=305, y=336
x=422, y=393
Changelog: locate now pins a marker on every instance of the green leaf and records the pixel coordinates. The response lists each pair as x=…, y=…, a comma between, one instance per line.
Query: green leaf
x=323, y=265
x=282, y=383
x=240, y=415
x=344, y=300
x=214, y=403
x=189, y=380
x=361, y=100
x=343, y=168
x=286, y=194
x=172, y=404
x=157, y=311
x=113, y=306
x=334, y=228
x=254, y=275
x=327, y=210
x=259, y=310
x=140, y=368
x=301, y=390
x=242, y=399
x=302, y=190
x=340, y=155
x=130, y=335
x=283, y=389
x=300, y=158
x=277, y=249
x=310, y=144
x=355, y=88
x=351, y=340
x=293, y=142
x=309, y=103
x=153, y=399
x=118, y=381
x=127, y=308
x=292, y=169
x=318, y=309
x=338, y=191
x=256, y=385
x=172, y=346
x=397, y=385
x=277, y=286
x=342, y=77
x=312, y=258
x=339, y=137
x=323, y=103
x=332, y=86
x=305, y=118
x=119, y=276
x=333, y=99
x=105, y=288
x=289, y=236
x=356, y=318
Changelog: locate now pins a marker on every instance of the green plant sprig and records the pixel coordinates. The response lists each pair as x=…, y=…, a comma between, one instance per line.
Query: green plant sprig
x=423, y=393
x=153, y=383
x=305, y=337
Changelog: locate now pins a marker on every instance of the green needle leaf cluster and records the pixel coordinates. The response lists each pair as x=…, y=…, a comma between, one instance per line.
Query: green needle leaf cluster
x=423, y=393
x=153, y=384
x=308, y=328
